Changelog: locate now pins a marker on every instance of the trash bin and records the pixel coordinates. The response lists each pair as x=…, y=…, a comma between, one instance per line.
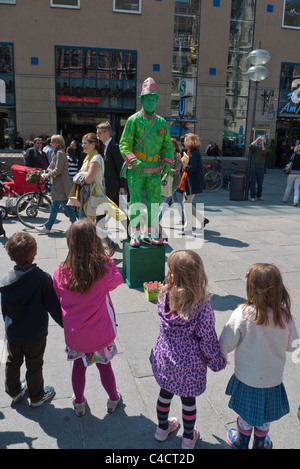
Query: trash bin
x=237, y=187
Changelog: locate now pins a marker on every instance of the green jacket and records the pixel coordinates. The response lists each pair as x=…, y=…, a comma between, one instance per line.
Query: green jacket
x=258, y=159
x=157, y=142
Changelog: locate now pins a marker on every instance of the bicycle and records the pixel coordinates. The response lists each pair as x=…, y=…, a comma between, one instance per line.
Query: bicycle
x=214, y=179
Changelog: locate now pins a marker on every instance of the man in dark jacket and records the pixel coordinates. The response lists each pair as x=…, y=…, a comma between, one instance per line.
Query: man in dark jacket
x=115, y=185
x=113, y=161
x=27, y=296
x=35, y=157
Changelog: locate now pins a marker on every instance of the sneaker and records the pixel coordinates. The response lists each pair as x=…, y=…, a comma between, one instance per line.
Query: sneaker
x=42, y=229
x=162, y=435
x=253, y=199
x=48, y=393
x=112, y=405
x=80, y=408
x=113, y=249
x=260, y=198
x=21, y=394
x=190, y=444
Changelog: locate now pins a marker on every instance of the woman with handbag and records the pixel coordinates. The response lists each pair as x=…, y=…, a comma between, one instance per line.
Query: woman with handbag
x=293, y=177
x=92, y=171
x=61, y=186
x=192, y=181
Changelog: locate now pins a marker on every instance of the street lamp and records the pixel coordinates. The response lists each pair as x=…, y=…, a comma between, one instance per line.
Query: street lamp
x=256, y=73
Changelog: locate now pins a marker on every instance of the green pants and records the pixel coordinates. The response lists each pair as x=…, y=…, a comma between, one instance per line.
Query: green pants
x=151, y=183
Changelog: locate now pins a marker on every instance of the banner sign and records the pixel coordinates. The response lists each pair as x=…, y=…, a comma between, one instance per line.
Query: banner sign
x=75, y=99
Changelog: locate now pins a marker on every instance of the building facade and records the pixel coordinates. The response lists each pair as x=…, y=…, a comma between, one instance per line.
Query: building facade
x=66, y=65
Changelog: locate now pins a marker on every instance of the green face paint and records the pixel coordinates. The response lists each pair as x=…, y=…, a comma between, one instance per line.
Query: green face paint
x=149, y=103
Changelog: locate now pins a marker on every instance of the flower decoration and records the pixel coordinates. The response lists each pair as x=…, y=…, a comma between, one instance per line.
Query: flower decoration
x=152, y=287
x=160, y=131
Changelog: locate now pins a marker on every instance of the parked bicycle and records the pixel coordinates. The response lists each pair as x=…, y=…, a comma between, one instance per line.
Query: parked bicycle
x=214, y=178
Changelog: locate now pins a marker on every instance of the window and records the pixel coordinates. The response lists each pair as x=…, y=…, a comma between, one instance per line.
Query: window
x=237, y=86
x=7, y=95
x=128, y=6
x=9, y=2
x=95, y=78
x=291, y=14
x=65, y=3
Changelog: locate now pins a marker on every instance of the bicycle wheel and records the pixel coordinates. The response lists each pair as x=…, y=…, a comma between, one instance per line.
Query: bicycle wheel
x=213, y=181
x=33, y=209
x=3, y=212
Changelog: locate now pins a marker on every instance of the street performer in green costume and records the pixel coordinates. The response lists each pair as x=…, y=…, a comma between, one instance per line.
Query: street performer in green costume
x=146, y=147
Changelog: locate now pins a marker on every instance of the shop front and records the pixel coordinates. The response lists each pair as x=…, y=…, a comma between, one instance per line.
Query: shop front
x=288, y=115
x=92, y=86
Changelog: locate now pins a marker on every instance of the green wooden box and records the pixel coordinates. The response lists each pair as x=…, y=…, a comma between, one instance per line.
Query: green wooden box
x=143, y=264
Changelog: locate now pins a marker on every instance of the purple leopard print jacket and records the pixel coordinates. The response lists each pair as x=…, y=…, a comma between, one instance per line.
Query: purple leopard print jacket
x=184, y=349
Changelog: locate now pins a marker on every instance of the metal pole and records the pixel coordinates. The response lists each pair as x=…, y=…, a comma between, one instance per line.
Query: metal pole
x=252, y=139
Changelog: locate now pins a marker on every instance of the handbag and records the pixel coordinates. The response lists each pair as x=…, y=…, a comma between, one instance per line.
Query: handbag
x=288, y=168
x=167, y=186
x=74, y=196
x=33, y=176
x=182, y=182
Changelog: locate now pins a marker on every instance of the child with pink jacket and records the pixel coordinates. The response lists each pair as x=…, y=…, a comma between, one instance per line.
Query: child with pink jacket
x=82, y=284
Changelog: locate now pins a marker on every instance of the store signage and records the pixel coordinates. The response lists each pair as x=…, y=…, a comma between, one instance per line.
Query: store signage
x=186, y=87
x=293, y=105
x=75, y=99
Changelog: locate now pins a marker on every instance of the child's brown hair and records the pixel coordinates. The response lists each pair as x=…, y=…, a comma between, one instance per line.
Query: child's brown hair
x=186, y=282
x=21, y=248
x=265, y=289
x=86, y=256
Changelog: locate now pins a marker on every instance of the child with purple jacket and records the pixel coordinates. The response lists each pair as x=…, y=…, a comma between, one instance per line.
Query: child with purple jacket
x=187, y=344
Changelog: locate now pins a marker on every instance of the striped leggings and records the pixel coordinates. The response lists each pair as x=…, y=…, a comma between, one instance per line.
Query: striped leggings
x=189, y=412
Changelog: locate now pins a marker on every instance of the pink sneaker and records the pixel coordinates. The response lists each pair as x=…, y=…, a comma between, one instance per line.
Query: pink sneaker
x=190, y=444
x=162, y=435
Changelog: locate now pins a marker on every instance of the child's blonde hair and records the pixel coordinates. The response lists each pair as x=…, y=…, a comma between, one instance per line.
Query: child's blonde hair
x=265, y=289
x=186, y=282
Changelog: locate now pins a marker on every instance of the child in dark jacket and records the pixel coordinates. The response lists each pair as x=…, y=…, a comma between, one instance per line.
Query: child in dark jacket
x=27, y=296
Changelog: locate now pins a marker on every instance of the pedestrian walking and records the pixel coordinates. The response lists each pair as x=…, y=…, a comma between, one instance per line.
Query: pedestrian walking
x=27, y=296
x=61, y=186
x=260, y=331
x=187, y=344
x=82, y=283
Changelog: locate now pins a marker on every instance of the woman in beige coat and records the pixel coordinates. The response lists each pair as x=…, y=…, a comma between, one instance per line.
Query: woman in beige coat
x=62, y=183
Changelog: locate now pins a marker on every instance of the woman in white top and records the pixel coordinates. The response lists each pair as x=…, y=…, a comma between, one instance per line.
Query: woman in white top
x=93, y=172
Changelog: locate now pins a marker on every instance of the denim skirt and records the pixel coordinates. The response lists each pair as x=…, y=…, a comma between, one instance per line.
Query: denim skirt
x=257, y=405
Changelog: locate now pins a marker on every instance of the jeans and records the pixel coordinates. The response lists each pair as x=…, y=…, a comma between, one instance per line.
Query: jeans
x=34, y=359
x=54, y=211
x=292, y=179
x=256, y=178
x=187, y=215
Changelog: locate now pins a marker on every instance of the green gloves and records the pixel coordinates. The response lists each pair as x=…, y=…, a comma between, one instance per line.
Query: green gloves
x=137, y=165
